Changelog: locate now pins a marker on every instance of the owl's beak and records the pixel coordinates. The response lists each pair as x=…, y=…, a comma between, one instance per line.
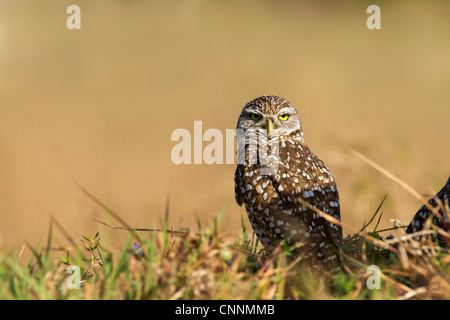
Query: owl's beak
x=269, y=127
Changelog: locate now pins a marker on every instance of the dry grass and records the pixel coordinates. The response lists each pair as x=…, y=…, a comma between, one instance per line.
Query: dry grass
x=169, y=264
x=217, y=266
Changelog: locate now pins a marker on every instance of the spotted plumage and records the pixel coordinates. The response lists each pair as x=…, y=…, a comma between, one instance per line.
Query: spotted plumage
x=441, y=203
x=276, y=172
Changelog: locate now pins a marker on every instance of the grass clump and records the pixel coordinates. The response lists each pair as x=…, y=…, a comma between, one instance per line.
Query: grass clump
x=169, y=264
x=213, y=265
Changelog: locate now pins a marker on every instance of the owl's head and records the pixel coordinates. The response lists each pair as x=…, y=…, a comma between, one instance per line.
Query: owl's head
x=273, y=114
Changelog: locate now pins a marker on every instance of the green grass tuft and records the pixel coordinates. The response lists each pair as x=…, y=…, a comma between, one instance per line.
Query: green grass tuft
x=213, y=265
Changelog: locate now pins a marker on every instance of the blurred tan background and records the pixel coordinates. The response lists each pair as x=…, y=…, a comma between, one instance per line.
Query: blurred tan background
x=99, y=104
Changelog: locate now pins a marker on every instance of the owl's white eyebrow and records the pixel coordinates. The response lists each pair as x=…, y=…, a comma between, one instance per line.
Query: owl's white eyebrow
x=285, y=110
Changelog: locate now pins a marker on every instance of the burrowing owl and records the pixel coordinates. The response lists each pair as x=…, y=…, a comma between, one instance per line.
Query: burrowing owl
x=442, y=207
x=274, y=174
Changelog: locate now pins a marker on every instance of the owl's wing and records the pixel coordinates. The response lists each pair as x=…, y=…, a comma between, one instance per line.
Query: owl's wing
x=238, y=176
x=424, y=213
x=302, y=175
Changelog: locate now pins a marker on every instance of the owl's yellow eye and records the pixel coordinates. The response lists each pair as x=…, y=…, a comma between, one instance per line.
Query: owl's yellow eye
x=283, y=117
x=255, y=116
